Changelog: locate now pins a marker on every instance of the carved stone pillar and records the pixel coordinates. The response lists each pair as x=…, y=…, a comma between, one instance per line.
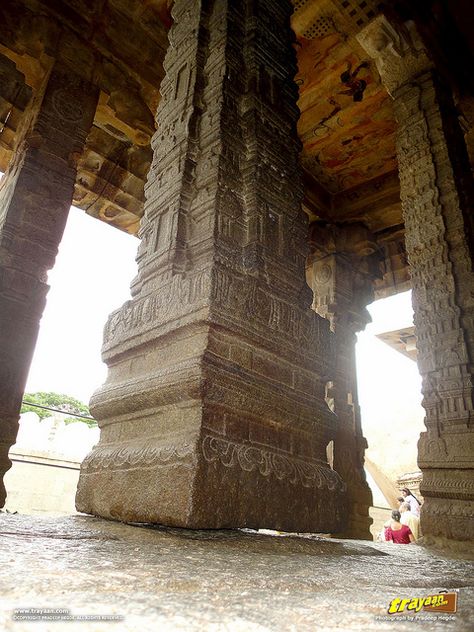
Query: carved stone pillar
x=213, y=412
x=341, y=275
x=437, y=200
x=35, y=197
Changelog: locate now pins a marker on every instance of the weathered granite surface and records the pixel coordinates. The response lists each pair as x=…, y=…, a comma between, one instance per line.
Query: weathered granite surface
x=174, y=579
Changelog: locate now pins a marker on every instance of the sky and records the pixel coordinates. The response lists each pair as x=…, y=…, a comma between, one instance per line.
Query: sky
x=386, y=378
x=389, y=387
x=91, y=278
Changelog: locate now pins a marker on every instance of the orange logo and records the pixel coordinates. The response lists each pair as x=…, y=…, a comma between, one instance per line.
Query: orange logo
x=441, y=602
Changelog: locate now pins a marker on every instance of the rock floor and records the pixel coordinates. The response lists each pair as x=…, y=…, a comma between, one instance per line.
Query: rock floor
x=159, y=578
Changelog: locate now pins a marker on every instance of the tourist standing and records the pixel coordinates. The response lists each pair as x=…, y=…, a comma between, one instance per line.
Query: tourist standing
x=410, y=520
x=397, y=532
x=412, y=501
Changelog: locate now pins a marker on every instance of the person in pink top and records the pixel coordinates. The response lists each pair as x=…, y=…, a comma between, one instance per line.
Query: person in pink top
x=397, y=532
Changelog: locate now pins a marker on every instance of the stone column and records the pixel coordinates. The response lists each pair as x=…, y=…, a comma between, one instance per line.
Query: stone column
x=213, y=412
x=341, y=272
x=35, y=197
x=437, y=200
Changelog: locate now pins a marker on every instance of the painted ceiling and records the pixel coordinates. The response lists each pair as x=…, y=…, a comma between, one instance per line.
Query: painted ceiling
x=347, y=125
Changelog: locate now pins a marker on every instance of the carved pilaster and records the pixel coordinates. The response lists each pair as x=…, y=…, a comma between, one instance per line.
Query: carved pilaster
x=35, y=197
x=213, y=413
x=398, y=51
x=341, y=271
x=437, y=201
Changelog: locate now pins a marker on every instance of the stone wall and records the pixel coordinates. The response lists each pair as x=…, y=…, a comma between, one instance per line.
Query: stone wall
x=40, y=484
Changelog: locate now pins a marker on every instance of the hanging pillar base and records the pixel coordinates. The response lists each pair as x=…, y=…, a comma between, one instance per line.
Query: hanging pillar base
x=215, y=483
x=213, y=443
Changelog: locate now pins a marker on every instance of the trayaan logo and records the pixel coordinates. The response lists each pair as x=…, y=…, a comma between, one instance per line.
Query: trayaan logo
x=440, y=602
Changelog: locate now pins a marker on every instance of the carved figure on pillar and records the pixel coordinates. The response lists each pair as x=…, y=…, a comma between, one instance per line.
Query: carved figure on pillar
x=437, y=196
x=35, y=197
x=341, y=269
x=213, y=412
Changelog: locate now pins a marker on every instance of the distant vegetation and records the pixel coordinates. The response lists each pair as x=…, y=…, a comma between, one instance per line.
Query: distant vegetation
x=58, y=401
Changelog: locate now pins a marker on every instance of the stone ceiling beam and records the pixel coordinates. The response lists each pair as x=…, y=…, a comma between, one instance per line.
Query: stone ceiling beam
x=317, y=201
x=376, y=203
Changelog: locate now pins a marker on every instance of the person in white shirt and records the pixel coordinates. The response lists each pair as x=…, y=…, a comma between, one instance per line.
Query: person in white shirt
x=410, y=520
x=413, y=502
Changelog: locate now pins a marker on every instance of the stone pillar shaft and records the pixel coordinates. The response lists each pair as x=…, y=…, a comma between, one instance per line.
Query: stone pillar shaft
x=342, y=283
x=437, y=197
x=213, y=412
x=437, y=204
x=35, y=197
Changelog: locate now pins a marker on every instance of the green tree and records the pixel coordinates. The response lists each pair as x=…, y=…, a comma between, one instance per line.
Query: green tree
x=58, y=401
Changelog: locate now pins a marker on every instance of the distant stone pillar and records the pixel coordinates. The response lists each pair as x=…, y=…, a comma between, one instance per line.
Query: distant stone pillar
x=341, y=274
x=213, y=412
x=437, y=201
x=35, y=197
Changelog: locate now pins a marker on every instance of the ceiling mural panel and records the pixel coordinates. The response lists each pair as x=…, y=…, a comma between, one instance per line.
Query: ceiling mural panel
x=347, y=125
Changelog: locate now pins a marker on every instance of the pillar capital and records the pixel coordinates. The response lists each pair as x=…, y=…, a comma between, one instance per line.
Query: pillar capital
x=398, y=51
x=349, y=239
x=343, y=266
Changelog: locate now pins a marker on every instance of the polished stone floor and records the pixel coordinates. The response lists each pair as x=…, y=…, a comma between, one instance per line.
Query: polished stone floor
x=169, y=579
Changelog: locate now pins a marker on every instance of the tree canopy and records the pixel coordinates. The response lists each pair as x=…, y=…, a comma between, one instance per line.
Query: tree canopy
x=58, y=401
